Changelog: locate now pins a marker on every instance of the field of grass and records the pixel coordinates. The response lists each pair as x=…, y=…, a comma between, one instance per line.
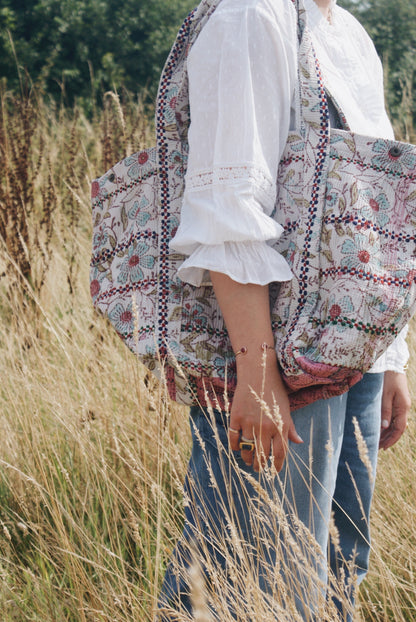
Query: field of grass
x=93, y=454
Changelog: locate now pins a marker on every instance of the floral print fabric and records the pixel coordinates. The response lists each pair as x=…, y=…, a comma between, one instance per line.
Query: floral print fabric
x=349, y=211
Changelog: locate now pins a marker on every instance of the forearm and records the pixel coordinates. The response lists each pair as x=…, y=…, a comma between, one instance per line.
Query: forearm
x=246, y=311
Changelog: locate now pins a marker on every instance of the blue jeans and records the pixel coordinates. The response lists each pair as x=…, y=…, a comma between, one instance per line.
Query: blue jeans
x=238, y=521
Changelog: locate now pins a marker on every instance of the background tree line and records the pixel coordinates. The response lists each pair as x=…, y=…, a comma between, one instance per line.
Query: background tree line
x=76, y=49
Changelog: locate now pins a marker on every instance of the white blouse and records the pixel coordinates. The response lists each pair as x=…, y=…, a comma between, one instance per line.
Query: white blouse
x=242, y=78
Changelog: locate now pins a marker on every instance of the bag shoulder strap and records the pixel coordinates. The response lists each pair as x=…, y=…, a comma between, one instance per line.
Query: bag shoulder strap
x=172, y=103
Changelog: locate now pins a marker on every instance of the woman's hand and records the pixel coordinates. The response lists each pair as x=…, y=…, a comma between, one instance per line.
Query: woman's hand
x=270, y=426
x=246, y=311
x=395, y=408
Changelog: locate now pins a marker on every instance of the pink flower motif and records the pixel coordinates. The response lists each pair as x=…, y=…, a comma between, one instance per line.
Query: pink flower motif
x=169, y=110
x=364, y=256
x=143, y=157
x=94, y=288
x=359, y=252
x=393, y=157
x=122, y=319
x=411, y=276
x=338, y=309
x=95, y=189
x=378, y=208
x=141, y=163
x=335, y=311
x=137, y=258
x=126, y=317
x=375, y=206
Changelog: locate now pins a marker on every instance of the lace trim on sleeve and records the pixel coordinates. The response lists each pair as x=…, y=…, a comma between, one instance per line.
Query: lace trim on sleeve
x=225, y=175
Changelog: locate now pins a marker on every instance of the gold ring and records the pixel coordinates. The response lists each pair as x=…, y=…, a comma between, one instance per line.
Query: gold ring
x=247, y=444
x=233, y=431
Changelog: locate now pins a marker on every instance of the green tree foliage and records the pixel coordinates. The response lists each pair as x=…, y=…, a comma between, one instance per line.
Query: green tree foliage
x=75, y=46
x=79, y=47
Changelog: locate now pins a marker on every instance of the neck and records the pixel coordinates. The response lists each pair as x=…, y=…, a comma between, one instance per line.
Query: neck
x=325, y=7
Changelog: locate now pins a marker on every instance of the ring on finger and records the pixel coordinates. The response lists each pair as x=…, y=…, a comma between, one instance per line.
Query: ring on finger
x=247, y=444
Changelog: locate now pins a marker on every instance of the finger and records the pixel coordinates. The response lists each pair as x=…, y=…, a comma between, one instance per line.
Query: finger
x=263, y=451
x=397, y=426
x=386, y=411
x=248, y=436
x=247, y=456
x=233, y=437
x=279, y=450
x=390, y=439
x=234, y=433
x=293, y=435
x=386, y=437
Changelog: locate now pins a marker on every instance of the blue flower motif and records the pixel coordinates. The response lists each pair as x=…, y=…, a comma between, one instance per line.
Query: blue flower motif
x=335, y=138
x=140, y=164
x=339, y=308
x=376, y=303
x=219, y=367
x=179, y=162
x=393, y=157
x=131, y=267
x=175, y=289
x=358, y=253
x=377, y=208
x=173, y=224
x=122, y=318
x=169, y=110
x=290, y=253
x=194, y=315
x=331, y=195
x=137, y=212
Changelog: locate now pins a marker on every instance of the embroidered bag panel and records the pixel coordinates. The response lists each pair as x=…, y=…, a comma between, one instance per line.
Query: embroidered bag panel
x=136, y=208
x=348, y=206
x=348, y=203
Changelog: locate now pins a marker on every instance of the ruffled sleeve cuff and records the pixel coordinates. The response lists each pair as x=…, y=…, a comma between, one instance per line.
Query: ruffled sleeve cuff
x=244, y=262
x=226, y=210
x=396, y=356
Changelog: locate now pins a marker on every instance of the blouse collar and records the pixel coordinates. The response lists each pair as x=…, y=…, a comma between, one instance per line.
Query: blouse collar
x=316, y=17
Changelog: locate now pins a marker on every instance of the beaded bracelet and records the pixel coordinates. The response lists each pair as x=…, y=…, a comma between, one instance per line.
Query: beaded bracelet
x=263, y=347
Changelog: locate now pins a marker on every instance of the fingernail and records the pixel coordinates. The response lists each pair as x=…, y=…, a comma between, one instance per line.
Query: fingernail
x=385, y=424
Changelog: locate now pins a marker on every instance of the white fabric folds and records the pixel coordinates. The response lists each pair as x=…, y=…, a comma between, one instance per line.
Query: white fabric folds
x=241, y=81
x=242, y=85
x=261, y=263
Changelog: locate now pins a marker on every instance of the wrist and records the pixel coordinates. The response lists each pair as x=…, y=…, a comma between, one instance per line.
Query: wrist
x=256, y=362
x=263, y=347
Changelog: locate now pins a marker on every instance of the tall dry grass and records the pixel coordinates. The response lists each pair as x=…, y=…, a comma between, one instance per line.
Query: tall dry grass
x=93, y=455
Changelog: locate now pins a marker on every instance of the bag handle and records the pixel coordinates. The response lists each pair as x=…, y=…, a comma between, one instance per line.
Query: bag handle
x=175, y=72
x=173, y=122
x=311, y=87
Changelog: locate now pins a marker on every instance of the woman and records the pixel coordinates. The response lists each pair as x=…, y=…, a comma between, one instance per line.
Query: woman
x=243, y=80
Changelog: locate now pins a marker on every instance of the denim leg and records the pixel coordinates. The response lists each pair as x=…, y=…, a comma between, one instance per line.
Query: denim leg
x=308, y=483
x=355, y=487
x=217, y=496
x=222, y=494
x=221, y=491
x=175, y=592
